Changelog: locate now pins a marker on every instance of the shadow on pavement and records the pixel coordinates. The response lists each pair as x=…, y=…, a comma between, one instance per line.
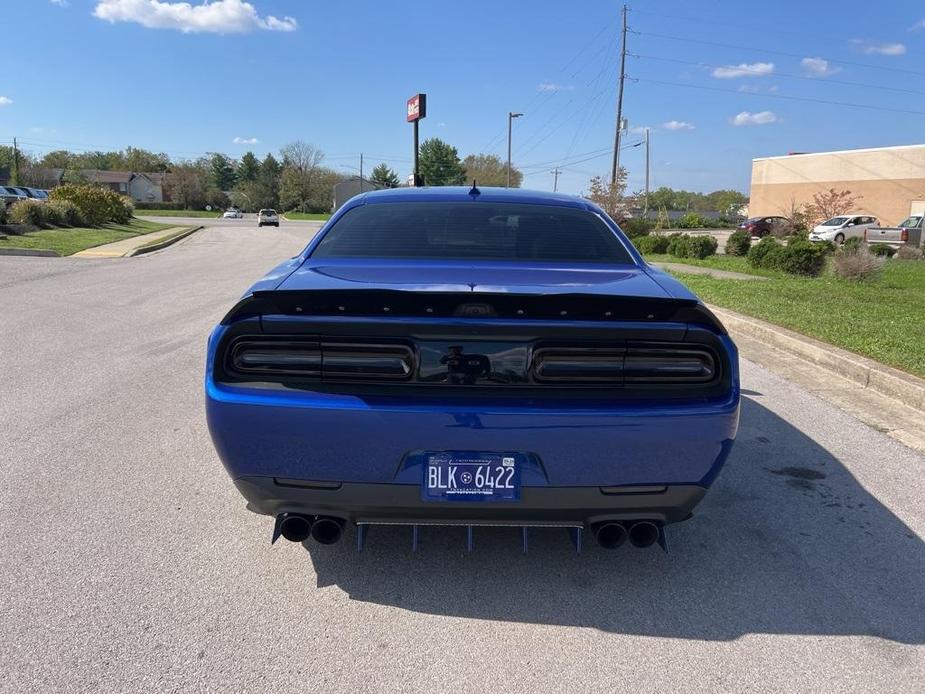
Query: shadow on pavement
x=786, y=542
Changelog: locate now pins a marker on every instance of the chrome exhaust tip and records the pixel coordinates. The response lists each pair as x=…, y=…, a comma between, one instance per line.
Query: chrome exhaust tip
x=610, y=535
x=643, y=534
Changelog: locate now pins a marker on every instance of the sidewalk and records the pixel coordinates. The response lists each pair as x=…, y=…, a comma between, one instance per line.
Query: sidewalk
x=129, y=247
x=712, y=272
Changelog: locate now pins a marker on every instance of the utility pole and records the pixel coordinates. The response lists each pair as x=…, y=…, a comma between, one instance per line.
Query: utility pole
x=647, y=175
x=510, y=119
x=361, y=171
x=555, y=181
x=15, y=177
x=616, y=144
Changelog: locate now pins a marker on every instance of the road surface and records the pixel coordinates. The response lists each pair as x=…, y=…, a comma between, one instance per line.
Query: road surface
x=130, y=562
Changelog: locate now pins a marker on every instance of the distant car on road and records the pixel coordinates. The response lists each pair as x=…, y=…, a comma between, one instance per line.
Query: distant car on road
x=267, y=218
x=843, y=227
x=233, y=213
x=760, y=227
x=455, y=356
x=908, y=233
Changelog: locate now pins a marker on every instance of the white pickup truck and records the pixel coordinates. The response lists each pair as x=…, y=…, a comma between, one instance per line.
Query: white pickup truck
x=908, y=233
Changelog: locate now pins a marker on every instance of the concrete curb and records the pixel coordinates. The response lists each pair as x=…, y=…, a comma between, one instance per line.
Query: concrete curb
x=29, y=251
x=158, y=245
x=867, y=373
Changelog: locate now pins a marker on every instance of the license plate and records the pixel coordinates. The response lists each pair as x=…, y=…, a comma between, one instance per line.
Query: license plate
x=466, y=476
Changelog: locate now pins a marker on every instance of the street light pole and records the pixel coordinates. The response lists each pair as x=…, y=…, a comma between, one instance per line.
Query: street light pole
x=510, y=119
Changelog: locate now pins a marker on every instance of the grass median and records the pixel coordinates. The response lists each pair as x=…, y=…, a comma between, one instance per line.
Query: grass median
x=880, y=318
x=212, y=214
x=307, y=216
x=67, y=241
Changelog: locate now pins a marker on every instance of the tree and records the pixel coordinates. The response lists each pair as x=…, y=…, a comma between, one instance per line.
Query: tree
x=609, y=196
x=301, y=156
x=440, y=165
x=294, y=189
x=248, y=167
x=385, y=176
x=222, y=171
x=828, y=204
x=58, y=159
x=489, y=170
x=186, y=184
x=137, y=159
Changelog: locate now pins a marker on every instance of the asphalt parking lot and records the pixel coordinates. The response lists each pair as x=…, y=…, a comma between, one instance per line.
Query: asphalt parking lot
x=131, y=564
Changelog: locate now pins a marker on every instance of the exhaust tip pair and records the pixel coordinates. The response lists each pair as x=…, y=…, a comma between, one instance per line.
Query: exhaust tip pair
x=297, y=528
x=612, y=534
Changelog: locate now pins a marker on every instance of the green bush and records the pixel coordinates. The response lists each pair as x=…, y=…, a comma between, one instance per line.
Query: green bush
x=678, y=245
x=801, y=257
x=882, y=249
x=27, y=212
x=852, y=244
x=97, y=205
x=701, y=246
x=51, y=215
x=68, y=214
x=3, y=213
x=648, y=245
x=762, y=254
x=636, y=227
x=692, y=220
x=738, y=243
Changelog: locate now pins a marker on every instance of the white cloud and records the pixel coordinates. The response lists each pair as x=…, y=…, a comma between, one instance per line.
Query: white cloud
x=213, y=16
x=743, y=70
x=5, y=101
x=818, y=67
x=246, y=141
x=873, y=48
x=60, y=3
x=677, y=125
x=552, y=87
x=916, y=27
x=748, y=89
x=748, y=118
x=641, y=129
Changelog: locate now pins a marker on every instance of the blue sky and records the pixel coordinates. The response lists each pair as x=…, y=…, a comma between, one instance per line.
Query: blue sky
x=103, y=74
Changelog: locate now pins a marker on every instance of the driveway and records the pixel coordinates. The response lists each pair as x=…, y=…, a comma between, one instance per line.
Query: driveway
x=131, y=564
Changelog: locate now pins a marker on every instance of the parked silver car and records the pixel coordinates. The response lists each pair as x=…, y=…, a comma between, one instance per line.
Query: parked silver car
x=843, y=227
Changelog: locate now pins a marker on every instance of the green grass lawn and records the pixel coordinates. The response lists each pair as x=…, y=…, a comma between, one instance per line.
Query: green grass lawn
x=70, y=241
x=311, y=216
x=214, y=214
x=882, y=318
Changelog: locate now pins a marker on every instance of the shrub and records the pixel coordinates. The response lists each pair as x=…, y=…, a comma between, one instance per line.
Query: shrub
x=68, y=213
x=27, y=212
x=52, y=215
x=636, y=227
x=852, y=244
x=678, y=245
x=857, y=263
x=909, y=253
x=648, y=245
x=701, y=247
x=882, y=249
x=97, y=205
x=758, y=255
x=692, y=220
x=738, y=243
x=801, y=258
x=2, y=213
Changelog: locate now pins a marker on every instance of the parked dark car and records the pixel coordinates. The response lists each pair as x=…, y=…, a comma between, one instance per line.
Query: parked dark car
x=450, y=356
x=762, y=226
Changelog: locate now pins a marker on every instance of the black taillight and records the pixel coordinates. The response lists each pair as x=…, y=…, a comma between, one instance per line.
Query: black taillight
x=668, y=365
x=319, y=359
x=635, y=364
x=578, y=365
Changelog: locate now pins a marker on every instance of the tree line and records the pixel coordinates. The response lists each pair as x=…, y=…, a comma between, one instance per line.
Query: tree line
x=294, y=179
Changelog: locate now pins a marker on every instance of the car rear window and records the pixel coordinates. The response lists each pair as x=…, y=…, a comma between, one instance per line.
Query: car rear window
x=267, y=212
x=472, y=231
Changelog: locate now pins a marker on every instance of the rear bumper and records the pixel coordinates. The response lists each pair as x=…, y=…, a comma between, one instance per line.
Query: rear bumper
x=401, y=503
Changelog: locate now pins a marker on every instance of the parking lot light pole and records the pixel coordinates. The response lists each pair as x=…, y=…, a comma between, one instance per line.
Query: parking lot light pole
x=510, y=119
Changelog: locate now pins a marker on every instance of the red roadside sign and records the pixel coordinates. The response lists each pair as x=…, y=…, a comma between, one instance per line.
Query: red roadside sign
x=417, y=107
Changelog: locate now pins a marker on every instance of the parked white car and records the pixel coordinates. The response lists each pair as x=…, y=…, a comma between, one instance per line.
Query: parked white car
x=233, y=213
x=843, y=227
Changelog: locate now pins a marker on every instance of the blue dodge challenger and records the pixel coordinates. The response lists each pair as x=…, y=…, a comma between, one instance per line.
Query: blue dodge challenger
x=457, y=356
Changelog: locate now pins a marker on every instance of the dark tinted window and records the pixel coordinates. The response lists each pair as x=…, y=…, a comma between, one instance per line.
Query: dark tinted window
x=472, y=230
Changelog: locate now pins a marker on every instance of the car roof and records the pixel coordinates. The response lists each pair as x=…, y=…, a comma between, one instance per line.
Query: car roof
x=461, y=194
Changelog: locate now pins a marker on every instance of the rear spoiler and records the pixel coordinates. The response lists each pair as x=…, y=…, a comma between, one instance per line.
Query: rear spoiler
x=379, y=303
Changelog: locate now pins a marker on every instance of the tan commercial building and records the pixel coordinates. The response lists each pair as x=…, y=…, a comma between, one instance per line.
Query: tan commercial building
x=889, y=182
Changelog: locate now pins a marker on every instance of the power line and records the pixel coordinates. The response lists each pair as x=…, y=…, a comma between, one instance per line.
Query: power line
x=783, y=74
x=758, y=49
x=779, y=96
